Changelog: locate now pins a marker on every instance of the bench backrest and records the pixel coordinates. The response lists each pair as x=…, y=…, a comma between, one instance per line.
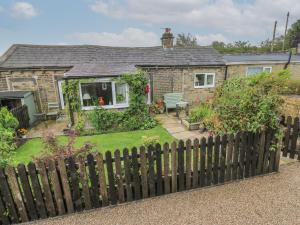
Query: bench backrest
x=171, y=99
x=53, y=105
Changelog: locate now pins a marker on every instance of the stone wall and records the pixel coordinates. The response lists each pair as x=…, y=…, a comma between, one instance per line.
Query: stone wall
x=42, y=82
x=291, y=105
x=167, y=80
x=241, y=70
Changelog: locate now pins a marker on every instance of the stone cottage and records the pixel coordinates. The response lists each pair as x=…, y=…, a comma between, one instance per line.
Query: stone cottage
x=195, y=72
x=249, y=64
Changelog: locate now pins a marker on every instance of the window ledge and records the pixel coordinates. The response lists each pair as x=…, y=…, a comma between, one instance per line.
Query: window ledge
x=207, y=86
x=120, y=106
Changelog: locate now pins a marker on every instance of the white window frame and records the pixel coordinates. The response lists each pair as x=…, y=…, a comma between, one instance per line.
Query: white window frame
x=205, y=80
x=263, y=67
x=61, y=96
x=113, y=87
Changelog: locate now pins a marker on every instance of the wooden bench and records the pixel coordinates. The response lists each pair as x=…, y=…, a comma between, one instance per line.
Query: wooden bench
x=53, y=110
x=174, y=101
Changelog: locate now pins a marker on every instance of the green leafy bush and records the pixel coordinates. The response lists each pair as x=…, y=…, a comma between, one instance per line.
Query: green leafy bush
x=79, y=125
x=8, y=125
x=105, y=120
x=250, y=103
x=200, y=112
x=293, y=87
x=135, y=117
x=150, y=140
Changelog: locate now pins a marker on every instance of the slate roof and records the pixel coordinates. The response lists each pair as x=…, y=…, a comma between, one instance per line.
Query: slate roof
x=13, y=94
x=271, y=57
x=87, y=60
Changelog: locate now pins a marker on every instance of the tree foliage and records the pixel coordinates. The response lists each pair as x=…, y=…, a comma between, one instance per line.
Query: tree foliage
x=247, y=47
x=264, y=47
x=292, y=33
x=250, y=103
x=8, y=125
x=186, y=40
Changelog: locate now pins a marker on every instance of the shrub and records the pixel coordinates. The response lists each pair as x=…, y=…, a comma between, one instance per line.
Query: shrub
x=53, y=150
x=8, y=125
x=293, y=87
x=199, y=113
x=79, y=125
x=133, y=118
x=250, y=103
x=104, y=120
x=151, y=140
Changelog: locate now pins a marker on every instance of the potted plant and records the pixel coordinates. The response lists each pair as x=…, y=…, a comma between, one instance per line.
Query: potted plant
x=22, y=132
x=158, y=107
x=197, y=116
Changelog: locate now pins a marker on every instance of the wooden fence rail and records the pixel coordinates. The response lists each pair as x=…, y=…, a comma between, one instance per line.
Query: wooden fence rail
x=40, y=190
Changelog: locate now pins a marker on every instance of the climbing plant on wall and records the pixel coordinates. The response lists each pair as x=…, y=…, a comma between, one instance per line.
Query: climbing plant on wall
x=71, y=89
x=137, y=115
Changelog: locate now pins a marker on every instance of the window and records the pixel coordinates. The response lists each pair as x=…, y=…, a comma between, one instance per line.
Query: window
x=62, y=96
x=203, y=80
x=105, y=93
x=258, y=69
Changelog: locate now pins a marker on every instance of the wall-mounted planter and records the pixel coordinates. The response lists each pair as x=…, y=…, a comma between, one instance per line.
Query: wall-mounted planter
x=191, y=126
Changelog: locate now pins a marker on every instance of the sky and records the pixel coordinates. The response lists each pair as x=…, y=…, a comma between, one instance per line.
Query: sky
x=140, y=22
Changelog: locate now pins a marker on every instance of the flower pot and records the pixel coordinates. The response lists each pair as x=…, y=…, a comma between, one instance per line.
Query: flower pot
x=191, y=126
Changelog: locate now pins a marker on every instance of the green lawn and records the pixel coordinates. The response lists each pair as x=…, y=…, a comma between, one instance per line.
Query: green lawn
x=102, y=142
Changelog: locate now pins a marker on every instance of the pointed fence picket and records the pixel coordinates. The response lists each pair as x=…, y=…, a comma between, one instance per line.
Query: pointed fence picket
x=69, y=185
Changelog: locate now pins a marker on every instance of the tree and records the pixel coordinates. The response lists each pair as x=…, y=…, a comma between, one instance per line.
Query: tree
x=186, y=40
x=292, y=33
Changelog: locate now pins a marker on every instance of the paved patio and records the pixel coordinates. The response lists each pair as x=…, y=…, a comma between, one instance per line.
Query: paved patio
x=173, y=125
x=49, y=126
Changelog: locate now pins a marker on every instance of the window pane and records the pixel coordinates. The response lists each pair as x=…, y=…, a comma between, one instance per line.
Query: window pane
x=268, y=69
x=254, y=70
x=210, y=79
x=121, y=93
x=199, y=80
x=96, y=94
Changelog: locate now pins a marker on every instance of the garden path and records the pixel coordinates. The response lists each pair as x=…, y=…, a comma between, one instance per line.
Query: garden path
x=173, y=125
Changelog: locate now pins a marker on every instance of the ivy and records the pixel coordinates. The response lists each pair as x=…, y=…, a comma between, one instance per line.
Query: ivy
x=135, y=117
x=72, y=91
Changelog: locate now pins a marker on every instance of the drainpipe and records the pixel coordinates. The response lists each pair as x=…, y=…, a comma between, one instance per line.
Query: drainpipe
x=289, y=60
x=226, y=72
x=151, y=86
x=70, y=108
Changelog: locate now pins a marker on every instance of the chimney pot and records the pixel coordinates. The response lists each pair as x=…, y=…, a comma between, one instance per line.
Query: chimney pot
x=167, y=39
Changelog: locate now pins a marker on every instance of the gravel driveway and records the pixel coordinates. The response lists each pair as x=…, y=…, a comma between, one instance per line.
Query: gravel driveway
x=272, y=199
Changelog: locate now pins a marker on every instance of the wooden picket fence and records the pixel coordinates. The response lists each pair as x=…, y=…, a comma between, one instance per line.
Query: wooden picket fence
x=290, y=140
x=40, y=190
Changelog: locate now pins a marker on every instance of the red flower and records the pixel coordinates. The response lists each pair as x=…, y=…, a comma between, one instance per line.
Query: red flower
x=147, y=89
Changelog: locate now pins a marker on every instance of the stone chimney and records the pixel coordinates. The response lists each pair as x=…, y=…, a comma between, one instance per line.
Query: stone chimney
x=167, y=39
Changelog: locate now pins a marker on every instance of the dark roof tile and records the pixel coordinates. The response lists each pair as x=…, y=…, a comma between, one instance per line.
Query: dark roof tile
x=101, y=60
